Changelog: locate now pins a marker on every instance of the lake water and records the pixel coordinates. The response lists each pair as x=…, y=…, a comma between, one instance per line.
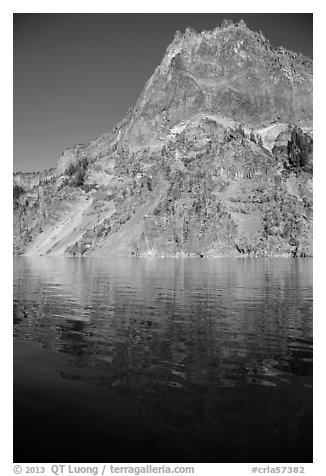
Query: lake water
x=162, y=360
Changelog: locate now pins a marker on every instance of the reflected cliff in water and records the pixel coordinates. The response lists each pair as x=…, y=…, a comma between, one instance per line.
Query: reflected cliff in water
x=211, y=357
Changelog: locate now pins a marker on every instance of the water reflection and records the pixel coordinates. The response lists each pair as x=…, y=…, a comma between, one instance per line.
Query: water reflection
x=217, y=350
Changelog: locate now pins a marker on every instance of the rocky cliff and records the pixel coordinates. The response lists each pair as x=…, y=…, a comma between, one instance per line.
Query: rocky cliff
x=215, y=159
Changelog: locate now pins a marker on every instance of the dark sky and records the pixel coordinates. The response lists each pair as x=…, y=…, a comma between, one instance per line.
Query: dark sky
x=76, y=75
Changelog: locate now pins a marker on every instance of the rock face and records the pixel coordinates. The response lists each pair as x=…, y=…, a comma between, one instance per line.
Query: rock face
x=215, y=159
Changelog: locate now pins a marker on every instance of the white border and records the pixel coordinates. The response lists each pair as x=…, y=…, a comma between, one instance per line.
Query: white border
x=319, y=466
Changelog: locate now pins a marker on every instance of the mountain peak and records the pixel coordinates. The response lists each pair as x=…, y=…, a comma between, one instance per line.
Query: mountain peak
x=230, y=71
x=229, y=35
x=179, y=175
x=227, y=26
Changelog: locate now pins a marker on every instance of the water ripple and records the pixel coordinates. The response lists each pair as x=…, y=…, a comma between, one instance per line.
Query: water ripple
x=179, y=338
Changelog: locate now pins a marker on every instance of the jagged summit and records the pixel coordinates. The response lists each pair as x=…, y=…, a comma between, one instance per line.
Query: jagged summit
x=232, y=71
x=226, y=24
x=214, y=159
x=230, y=31
x=195, y=42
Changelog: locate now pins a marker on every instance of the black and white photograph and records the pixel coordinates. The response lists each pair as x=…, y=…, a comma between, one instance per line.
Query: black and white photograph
x=163, y=239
